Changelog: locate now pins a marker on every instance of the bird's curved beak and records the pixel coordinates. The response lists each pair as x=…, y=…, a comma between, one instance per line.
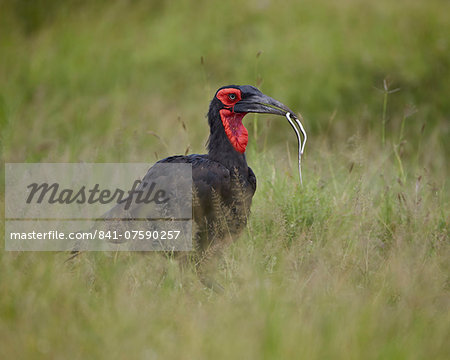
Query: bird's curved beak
x=260, y=103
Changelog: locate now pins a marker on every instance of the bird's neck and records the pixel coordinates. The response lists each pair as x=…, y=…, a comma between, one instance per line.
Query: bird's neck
x=221, y=150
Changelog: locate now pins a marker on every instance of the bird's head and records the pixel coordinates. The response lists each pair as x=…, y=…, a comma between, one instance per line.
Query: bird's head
x=232, y=103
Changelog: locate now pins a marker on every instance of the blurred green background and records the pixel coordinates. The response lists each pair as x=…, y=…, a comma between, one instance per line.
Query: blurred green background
x=352, y=265
x=84, y=75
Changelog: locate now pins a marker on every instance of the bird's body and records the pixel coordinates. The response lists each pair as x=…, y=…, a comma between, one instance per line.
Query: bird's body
x=222, y=198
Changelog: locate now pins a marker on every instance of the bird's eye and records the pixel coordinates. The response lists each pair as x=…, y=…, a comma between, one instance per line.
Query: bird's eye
x=232, y=96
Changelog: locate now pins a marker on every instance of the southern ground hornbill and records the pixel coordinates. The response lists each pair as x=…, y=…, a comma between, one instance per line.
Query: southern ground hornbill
x=223, y=183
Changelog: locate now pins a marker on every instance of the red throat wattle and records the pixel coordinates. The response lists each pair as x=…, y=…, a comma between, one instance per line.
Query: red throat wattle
x=235, y=130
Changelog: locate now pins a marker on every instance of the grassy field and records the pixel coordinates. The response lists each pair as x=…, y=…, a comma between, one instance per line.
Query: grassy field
x=353, y=265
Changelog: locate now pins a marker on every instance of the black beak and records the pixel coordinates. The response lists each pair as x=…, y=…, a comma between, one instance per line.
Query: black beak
x=260, y=103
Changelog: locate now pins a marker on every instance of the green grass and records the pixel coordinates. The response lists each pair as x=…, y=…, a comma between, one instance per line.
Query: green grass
x=353, y=265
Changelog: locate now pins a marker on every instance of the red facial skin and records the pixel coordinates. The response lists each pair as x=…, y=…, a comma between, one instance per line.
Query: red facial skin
x=232, y=122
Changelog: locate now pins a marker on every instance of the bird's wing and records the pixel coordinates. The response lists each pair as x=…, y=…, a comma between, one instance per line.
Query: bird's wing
x=208, y=177
x=252, y=179
x=174, y=181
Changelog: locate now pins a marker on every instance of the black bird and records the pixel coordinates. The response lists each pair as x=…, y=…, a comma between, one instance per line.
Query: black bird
x=223, y=182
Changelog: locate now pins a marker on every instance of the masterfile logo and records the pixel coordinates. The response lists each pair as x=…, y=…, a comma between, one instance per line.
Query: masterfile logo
x=108, y=206
x=53, y=194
